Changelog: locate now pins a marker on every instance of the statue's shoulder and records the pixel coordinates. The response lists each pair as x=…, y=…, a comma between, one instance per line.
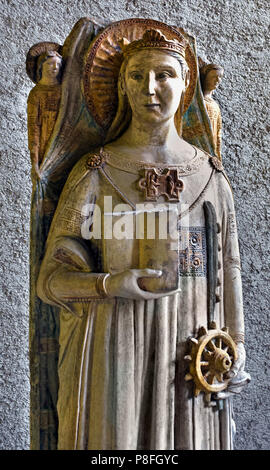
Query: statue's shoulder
x=214, y=162
x=93, y=160
x=33, y=94
x=219, y=170
x=82, y=180
x=96, y=159
x=84, y=169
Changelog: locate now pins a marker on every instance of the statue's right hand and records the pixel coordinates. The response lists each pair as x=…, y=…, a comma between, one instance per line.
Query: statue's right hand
x=125, y=284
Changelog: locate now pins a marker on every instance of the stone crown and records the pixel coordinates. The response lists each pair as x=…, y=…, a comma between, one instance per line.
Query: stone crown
x=153, y=39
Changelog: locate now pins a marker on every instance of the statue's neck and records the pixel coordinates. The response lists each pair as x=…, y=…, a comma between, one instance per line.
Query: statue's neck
x=142, y=134
x=153, y=142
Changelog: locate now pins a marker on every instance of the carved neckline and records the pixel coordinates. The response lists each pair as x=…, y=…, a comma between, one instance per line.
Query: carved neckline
x=123, y=163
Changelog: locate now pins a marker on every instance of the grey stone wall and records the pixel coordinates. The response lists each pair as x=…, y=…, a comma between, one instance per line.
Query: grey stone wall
x=229, y=32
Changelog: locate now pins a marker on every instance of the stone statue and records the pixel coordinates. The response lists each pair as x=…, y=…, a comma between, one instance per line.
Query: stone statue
x=211, y=76
x=43, y=103
x=129, y=305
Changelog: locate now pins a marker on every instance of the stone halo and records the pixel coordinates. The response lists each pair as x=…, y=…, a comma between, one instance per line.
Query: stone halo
x=103, y=60
x=33, y=54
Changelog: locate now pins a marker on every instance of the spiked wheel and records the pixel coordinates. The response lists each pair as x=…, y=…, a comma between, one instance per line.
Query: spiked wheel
x=211, y=357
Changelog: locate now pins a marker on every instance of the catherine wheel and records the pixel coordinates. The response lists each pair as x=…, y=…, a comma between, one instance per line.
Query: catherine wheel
x=212, y=355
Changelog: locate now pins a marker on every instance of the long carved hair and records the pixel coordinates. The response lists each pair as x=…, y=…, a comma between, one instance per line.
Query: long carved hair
x=124, y=113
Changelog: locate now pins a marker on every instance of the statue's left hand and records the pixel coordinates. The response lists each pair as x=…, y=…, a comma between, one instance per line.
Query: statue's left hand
x=237, y=375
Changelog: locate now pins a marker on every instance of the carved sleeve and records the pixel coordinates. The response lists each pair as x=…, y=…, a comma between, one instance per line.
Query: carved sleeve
x=233, y=301
x=66, y=276
x=69, y=274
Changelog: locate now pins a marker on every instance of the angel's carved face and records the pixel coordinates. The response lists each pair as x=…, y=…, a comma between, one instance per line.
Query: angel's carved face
x=212, y=79
x=154, y=84
x=51, y=68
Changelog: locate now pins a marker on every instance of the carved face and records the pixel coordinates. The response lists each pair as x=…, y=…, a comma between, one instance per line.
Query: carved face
x=213, y=79
x=51, y=68
x=154, y=85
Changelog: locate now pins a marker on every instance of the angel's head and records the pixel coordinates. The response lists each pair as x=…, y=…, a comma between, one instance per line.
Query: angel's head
x=210, y=76
x=49, y=67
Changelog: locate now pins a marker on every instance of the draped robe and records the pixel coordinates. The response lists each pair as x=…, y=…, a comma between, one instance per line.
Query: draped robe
x=121, y=363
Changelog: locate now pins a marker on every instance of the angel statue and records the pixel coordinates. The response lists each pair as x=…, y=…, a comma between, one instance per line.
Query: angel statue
x=43, y=101
x=210, y=77
x=137, y=342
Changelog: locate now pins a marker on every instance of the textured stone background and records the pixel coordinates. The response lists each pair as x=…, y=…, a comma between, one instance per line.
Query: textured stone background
x=233, y=33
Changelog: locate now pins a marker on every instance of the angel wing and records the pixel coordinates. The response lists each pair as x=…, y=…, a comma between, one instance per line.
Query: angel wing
x=74, y=133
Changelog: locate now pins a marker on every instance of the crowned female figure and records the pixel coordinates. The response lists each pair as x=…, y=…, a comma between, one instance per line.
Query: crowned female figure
x=123, y=364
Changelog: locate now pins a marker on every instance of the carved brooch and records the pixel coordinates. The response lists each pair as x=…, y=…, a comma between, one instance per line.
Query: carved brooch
x=95, y=161
x=216, y=163
x=161, y=183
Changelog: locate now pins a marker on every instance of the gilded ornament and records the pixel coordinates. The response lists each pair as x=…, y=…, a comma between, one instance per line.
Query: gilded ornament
x=212, y=355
